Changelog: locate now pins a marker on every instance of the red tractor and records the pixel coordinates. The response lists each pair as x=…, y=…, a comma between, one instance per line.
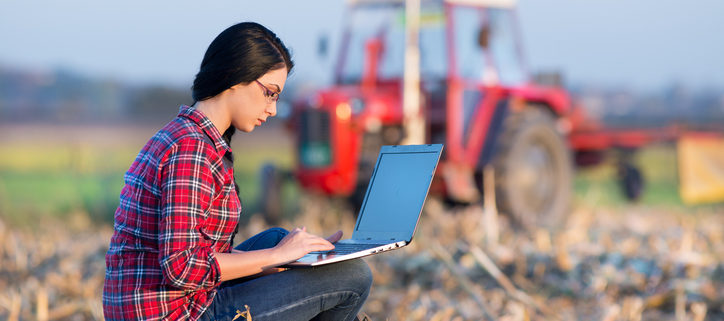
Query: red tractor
x=475, y=96
x=472, y=92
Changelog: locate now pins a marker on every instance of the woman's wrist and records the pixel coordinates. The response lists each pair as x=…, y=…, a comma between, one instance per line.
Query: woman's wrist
x=276, y=256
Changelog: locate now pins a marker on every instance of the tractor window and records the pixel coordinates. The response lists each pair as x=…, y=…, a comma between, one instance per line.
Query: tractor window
x=384, y=23
x=504, y=49
x=392, y=62
x=433, y=57
x=469, y=57
x=500, y=60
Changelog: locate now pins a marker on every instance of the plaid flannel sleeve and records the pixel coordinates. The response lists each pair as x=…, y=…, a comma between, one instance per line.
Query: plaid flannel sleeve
x=187, y=186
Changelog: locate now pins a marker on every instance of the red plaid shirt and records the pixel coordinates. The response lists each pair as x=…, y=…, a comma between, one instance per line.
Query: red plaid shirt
x=178, y=207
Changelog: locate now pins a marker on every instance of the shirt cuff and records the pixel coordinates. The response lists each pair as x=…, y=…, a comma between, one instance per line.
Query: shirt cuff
x=215, y=269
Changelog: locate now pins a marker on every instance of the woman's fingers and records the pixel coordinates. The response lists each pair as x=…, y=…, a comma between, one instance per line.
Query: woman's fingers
x=298, y=243
x=335, y=237
x=324, y=244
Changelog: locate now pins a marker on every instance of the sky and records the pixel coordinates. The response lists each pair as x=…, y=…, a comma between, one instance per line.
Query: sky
x=642, y=44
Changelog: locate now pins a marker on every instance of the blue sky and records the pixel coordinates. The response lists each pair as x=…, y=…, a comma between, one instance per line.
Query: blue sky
x=642, y=44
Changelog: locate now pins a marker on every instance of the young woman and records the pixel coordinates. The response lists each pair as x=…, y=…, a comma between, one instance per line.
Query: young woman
x=171, y=253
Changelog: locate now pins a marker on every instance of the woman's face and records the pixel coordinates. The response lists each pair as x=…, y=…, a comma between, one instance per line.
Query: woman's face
x=251, y=104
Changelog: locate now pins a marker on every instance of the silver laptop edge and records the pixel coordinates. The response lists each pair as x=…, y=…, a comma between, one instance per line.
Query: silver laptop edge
x=369, y=217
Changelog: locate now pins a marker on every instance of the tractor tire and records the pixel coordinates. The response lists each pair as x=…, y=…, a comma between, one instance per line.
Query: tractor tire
x=533, y=170
x=270, y=195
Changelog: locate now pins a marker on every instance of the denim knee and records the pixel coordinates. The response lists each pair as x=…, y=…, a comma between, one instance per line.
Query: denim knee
x=356, y=274
x=278, y=232
x=264, y=240
x=364, y=274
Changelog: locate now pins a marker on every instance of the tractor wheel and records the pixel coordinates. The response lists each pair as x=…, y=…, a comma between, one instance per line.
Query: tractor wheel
x=533, y=170
x=270, y=195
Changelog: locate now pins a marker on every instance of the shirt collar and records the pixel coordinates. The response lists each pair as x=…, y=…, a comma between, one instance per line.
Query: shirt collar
x=206, y=125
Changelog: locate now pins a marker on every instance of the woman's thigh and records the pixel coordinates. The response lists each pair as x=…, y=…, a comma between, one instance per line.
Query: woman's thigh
x=339, y=289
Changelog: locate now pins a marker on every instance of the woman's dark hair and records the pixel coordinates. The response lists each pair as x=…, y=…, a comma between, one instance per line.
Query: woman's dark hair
x=240, y=54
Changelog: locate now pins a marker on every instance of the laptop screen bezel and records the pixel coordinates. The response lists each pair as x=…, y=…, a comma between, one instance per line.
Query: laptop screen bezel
x=362, y=236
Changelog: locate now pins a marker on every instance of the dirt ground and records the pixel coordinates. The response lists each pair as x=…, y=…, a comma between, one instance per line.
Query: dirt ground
x=633, y=263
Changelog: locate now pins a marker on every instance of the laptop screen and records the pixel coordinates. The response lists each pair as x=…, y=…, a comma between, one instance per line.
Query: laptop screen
x=397, y=193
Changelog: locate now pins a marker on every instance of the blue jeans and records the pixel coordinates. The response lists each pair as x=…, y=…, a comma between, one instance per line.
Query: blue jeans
x=331, y=292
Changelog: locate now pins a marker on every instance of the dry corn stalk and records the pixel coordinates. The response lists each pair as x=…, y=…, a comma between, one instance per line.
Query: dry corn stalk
x=466, y=284
x=612, y=313
x=246, y=314
x=505, y=282
x=699, y=311
x=490, y=209
x=42, y=304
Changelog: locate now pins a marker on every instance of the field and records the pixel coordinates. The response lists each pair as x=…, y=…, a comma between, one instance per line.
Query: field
x=654, y=260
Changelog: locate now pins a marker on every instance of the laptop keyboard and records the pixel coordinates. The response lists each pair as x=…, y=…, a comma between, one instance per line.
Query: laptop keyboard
x=346, y=248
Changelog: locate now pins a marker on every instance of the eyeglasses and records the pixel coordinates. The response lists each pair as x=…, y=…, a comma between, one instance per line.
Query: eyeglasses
x=271, y=96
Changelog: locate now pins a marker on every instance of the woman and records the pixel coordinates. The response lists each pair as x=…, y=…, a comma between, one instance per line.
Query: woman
x=170, y=256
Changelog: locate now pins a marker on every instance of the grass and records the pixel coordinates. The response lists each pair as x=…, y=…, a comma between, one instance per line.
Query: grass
x=28, y=196
x=62, y=175
x=599, y=185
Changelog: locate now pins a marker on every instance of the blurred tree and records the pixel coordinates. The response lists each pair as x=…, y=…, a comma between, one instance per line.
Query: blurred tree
x=157, y=102
x=64, y=96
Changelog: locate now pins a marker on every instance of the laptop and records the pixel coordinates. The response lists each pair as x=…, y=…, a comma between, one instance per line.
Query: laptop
x=392, y=205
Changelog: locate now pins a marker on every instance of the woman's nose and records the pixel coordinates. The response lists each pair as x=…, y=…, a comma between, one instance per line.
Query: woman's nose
x=272, y=109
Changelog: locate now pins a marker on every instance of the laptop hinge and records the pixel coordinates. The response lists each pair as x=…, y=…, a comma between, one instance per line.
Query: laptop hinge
x=372, y=241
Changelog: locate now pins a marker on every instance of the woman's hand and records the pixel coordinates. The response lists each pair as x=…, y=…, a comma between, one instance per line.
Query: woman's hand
x=262, y=262
x=298, y=243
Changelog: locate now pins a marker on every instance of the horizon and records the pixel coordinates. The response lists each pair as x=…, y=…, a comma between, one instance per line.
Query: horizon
x=642, y=46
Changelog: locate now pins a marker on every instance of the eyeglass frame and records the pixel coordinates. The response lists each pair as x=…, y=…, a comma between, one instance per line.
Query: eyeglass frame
x=271, y=95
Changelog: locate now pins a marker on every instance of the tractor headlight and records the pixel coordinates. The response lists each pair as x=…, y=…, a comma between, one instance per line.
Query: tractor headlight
x=343, y=111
